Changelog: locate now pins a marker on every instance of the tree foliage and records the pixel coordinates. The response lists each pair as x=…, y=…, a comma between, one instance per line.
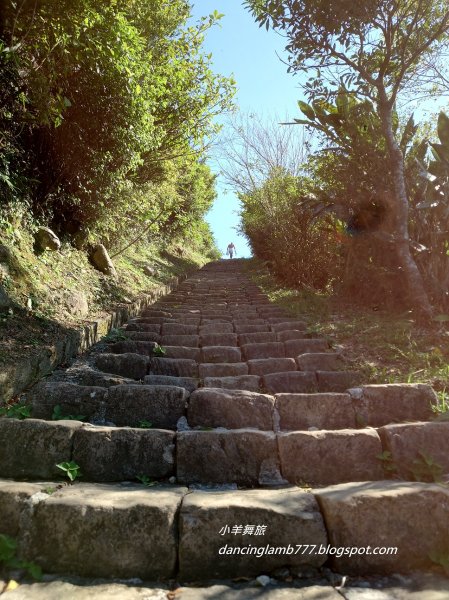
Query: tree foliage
x=108, y=109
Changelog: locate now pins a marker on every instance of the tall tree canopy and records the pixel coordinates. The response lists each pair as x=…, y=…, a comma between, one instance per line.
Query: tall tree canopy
x=377, y=49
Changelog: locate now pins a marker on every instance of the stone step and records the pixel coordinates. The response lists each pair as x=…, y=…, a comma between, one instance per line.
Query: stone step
x=320, y=361
x=263, y=350
x=239, y=382
x=134, y=366
x=222, y=369
x=295, y=382
x=294, y=348
x=263, y=366
x=247, y=327
x=258, y=337
x=182, y=352
x=179, y=367
x=220, y=354
x=188, y=383
x=190, y=341
x=218, y=339
x=134, y=347
x=233, y=409
x=320, y=411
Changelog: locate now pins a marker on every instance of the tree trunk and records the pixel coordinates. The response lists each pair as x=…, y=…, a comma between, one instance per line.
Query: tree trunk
x=415, y=290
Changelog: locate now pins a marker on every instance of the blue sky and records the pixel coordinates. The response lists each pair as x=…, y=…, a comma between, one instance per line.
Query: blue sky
x=240, y=48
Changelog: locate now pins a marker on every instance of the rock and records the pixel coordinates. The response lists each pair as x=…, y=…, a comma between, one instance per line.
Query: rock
x=206, y=523
x=177, y=367
x=222, y=369
x=56, y=590
x=420, y=451
x=188, y=341
x=412, y=517
x=134, y=366
x=160, y=405
x=5, y=254
x=296, y=347
x=239, y=382
x=218, y=339
x=117, y=454
x=337, y=381
x=80, y=239
x=378, y=405
x=324, y=411
x=32, y=448
x=134, y=347
x=325, y=457
x=263, y=580
x=150, y=271
x=72, y=399
x=233, y=409
x=101, y=261
x=76, y=303
x=178, y=329
x=215, y=328
x=188, y=383
x=263, y=350
x=13, y=497
x=5, y=301
x=257, y=338
x=320, y=361
x=235, y=456
x=263, y=366
x=88, y=520
x=295, y=382
x=220, y=354
x=46, y=239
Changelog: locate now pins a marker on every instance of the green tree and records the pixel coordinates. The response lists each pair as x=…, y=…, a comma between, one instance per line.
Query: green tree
x=374, y=49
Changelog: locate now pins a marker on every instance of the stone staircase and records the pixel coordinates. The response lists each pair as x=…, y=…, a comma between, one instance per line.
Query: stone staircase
x=257, y=447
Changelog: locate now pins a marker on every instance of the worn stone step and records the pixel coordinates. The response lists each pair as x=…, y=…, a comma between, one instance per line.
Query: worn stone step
x=248, y=328
x=179, y=367
x=238, y=382
x=222, y=369
x=263, y=350
x=233, y=409
x=295, y=382
x=290, y=334
x=263, y=366
x=134, y=366
x=296, y=347
x=220, y=354
x=419, y=451
x=337, y=381
x=73, y=399
x=412, y=518
x=216, y=328
x=91, y=377
x=257, y=338
x=218, y=339
x=142, y=336
x=212, y=525
x=182, y=352
x=189, y=341
x=243, y=456
x=326, y=457
x=148, y=327
x=188, y=383
x=73, y=530
x=162, y=406
x=320, y=361
x=378, y=405
x=178, y=329
x=134, y=347
x=321, y=411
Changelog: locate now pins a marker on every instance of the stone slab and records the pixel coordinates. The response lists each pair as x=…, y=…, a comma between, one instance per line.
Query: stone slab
x=263, y=350
x=216, y=328
x=327, y=457
x=290, y=334
x=134, y=366
x=178, y=367
x=218, y=339
x=133, y=346
x=220, y=354
x=178, y=329
x=241, y=456
x=144, y=336
x=191, y=341
x=323, y=411
x=32, y=448
x=118, y=453
x=337, y=381
x=320, y=361
x=296, y=347
x=66, y=590
x=233, y=409
x=289, y=326
x=107, y=531
x=251, y=328
x=412, y=444
x=182, y=352
x=73, y=399
x=239, y=382
x=188, y=383
x=160, y=405
x=222, y=369
x=263, y=366
x=13, y=501
x=257, y=338
x=294, y=382
x=291, y=517
x=412, y=517
x=378, y=405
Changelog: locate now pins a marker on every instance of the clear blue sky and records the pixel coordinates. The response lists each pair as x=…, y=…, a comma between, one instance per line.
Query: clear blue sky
x=240, y=48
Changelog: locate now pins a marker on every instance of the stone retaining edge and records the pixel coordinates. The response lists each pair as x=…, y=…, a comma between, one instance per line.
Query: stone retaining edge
x=16, y=378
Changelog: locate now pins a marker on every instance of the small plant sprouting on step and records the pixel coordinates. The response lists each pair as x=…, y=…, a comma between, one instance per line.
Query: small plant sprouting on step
x=71, y=469
x=145, y=480
x=441, y=408
x=58, y=416
x=8, y=557
x=387, y=462
x=145, y=424
x=426, y=469
x=159, y=351
x=19, y=410
x=115, y=335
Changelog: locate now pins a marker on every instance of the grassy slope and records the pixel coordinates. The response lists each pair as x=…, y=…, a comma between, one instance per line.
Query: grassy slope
x=48, y=280
x=388, y=348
